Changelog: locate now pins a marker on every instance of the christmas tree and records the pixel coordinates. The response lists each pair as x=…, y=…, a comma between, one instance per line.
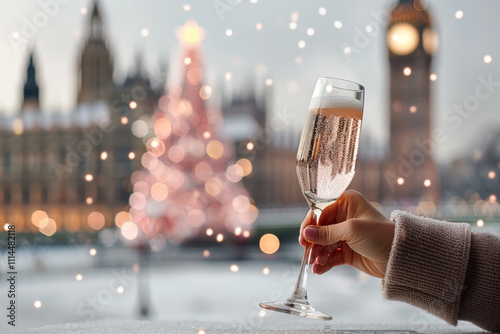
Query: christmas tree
x=190, y=185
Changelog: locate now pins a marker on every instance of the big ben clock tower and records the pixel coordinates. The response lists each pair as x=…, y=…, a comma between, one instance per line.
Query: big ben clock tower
x=411, y=172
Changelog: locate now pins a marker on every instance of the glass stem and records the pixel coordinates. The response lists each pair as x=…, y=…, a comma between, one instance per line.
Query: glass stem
x=299, y=293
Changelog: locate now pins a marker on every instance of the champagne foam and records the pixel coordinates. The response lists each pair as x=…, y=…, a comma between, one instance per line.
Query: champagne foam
x=337, y=106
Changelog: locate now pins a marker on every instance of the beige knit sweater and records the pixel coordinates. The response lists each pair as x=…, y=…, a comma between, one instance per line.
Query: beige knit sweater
x=445, y=269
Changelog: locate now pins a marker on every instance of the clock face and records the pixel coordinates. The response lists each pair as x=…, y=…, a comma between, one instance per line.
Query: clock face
x=402, y=39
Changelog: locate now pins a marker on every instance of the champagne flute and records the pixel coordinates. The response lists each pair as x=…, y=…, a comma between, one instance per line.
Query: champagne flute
x=326, y=162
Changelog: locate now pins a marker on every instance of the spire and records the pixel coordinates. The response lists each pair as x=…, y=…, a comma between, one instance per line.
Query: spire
x=31, y=91
x=96, y=23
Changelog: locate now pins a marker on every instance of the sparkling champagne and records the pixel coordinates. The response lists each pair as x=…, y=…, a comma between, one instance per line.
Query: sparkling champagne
x=326, y=159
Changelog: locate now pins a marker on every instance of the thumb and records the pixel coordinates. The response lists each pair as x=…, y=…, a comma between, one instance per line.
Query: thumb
x=328, y=234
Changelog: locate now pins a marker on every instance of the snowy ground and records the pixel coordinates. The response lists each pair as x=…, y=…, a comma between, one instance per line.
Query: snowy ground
x=188, y=296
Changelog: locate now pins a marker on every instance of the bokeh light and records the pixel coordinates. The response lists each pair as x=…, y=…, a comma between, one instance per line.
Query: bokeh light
x=96, y=220
x=129, y=231
x=215, y=149
x=122, y=217
x=269, y=243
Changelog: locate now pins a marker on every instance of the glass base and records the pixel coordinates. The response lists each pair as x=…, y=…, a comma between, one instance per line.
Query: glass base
x=295, y=308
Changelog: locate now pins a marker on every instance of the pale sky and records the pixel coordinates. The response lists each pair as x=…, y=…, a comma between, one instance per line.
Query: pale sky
x=267, y=53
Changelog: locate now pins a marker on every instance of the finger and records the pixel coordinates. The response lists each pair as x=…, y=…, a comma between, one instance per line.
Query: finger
x=329, y=214
x=322, y=257
x=307, y=221
x=335, y=259
x=330, y=234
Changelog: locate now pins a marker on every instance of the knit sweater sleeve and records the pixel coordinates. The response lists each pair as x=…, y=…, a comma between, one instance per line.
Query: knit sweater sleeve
x=445, y=269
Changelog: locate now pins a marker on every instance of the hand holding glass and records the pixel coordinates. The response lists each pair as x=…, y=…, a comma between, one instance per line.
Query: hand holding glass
x=326, y=162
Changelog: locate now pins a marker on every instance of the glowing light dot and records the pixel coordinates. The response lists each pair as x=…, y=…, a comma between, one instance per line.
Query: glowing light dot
x=104, y=155
x=492, y=198
x=89, y=177
x=294, y=17
x=262, y=313
x=301, y=44
x=206, y=253
x=206, y=135
x=228, y=76
x=120, y=289
x=209, y=232
x=237, y=231
x=131, y=155
x=269, y=243
x=265, y=271
x=492, y=174
x=407, y=71
x=187, y=61
x=413, y=109
x=132, y=105
x=186, y=8
x=246, y=234
x=480, y=223
x=337, y=24
x=401, y=181
x=83, y=10
x=292, y=25
x=78, y=277
x=329, y=89
x=6, y=227
x=220, y=237
x=487, y=59
x=234, y=268
x=310, y=31
x=201, y=331
x=369, y=29
x=433, y=77
x=250, y=146
x=269, y=82
x=15, y=34
x=427, y=183
x=124, y=120
x=89, y=200
x=92, y=252
x=254, y=1
x=347, y=50
x=258, y=26
x=205, y=92
x=215, y=149
x=459, y=14
x=144, y=32
x=37, y=304
x=322, y=11
x=229, y=33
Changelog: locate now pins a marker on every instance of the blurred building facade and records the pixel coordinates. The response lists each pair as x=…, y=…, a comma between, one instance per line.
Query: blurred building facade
x=248, y=123
x=66, y=166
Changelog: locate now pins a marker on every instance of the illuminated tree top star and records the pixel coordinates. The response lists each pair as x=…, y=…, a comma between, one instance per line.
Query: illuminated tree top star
x=190, y=34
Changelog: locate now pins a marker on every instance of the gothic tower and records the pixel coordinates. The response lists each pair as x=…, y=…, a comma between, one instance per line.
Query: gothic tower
x=31, y=91
x=411, y=172
x=96, y=69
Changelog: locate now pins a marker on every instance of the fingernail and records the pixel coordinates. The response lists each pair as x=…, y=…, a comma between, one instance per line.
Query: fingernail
x=311, y=233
